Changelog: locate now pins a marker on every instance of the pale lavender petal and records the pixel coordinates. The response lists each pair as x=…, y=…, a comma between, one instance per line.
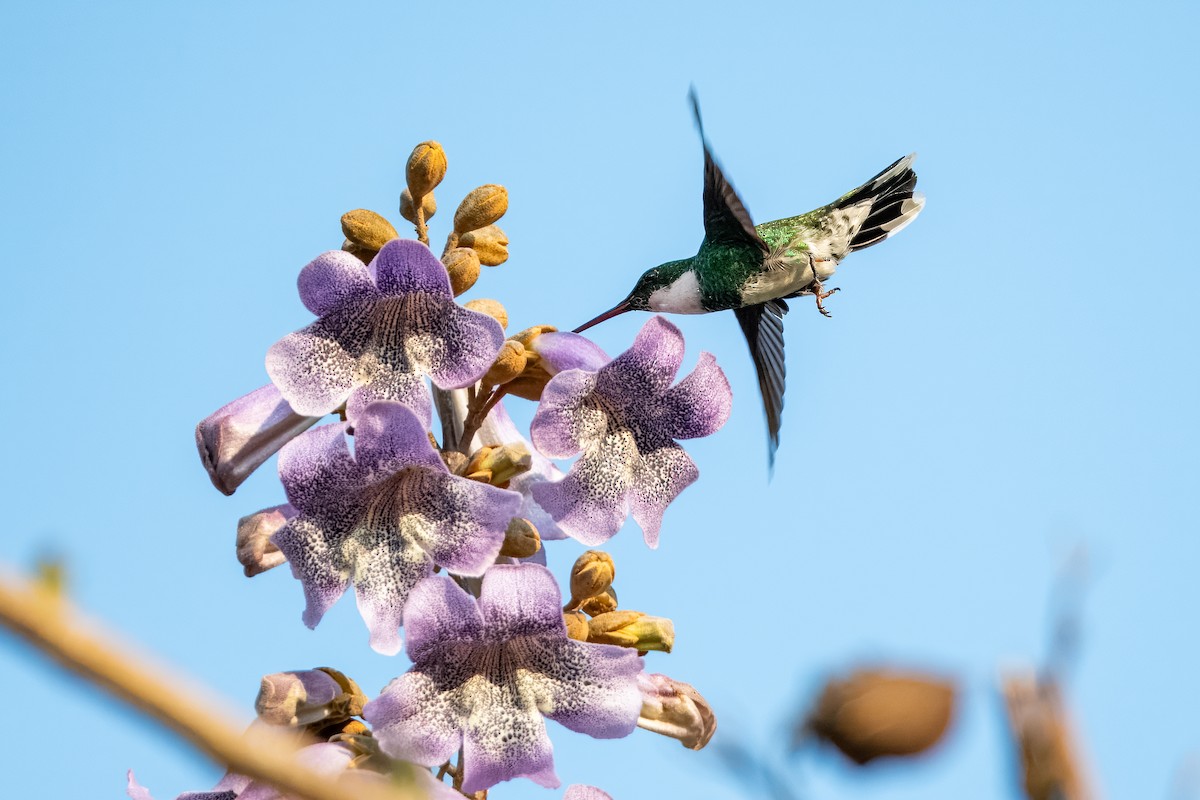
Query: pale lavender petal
x=498, y=428
x=504, y=739
x=438, y=613
x=521, y=600
x=389, y=383
x=318, y=472
x=386, y=568
x=418, y=719
x=237, y=438
x=582, y=791
x=661, y=475
x=404, y=266
x=433, y=788
x=647, y=368
x=255, y=551
x=134, y=789
x=316, y=367
x=563, y=351
x=699, y=404
x=459, y=522
x=590, y=504
x=317, y=562
x=325, y=758
x=333, y=279
x=566, y=420
x=388, y=437
x=588, y=688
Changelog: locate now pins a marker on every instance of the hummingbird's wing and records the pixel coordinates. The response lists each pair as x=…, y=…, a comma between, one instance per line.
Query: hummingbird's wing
x=725, y=217
x=762, y=324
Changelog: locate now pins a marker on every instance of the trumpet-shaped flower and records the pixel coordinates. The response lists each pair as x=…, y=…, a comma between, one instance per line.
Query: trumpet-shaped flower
x=382, y=517
x=486, y=672
x=625, y=418
x=381, y=329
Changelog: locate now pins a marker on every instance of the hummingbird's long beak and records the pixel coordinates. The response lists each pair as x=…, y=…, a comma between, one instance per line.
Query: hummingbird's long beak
x=619, y=308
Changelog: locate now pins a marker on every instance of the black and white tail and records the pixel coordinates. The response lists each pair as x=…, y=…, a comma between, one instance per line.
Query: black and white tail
x=889, y=201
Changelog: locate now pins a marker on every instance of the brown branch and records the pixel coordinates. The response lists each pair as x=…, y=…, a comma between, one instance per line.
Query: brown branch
x=47, y=621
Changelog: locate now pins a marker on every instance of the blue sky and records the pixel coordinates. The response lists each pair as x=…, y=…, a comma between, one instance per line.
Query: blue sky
x=1012, y=377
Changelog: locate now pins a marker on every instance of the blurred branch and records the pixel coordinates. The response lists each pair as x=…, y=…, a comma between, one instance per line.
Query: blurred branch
x=1048, y=748
x=44, y=618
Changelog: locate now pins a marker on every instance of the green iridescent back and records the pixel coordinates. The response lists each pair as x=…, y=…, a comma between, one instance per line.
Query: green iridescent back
x=722, y=270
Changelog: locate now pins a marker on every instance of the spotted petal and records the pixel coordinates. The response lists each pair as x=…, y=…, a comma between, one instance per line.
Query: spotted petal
x=333, y=279
x=660, y=476
x=698, y=405
x=404, y=266
x=646, y=369
x=591, y=503
x=316, y=367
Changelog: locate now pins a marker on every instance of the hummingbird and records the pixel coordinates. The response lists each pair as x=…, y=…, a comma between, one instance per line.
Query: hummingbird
x=755, y=270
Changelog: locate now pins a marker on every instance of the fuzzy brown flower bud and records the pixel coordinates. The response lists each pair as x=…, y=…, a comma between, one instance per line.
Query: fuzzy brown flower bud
x=482, y=207
x=632, y=629
x=498, y=465
x=463, y=265
x=599, y=604
x=577, y=625
x=878, y=712
x=492, y=308
x=491, y=243
x=408, y=210
x=425, y=169
x=592, y=574
x=521, y=539
x=510, y=362
x=367, y=229
x=455, y=461
x=363, y=254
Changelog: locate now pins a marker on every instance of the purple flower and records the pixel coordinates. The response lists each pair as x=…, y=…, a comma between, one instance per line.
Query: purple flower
x=382, y=517
x=625, y=418
x=229, y=788
x=485, y=673
x=581, y=791
x=237, y=438
x=381, y=330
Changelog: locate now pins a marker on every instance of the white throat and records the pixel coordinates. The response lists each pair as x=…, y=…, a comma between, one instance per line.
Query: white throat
x=681, y=297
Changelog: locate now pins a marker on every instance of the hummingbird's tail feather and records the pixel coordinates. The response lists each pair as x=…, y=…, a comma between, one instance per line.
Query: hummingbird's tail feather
x=889, y=201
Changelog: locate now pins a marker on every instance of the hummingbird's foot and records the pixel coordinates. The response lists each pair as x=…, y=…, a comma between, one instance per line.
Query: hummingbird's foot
x=824, y=296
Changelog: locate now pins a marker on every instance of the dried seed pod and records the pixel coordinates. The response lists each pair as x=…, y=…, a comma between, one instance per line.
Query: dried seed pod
x=455, y=461
x=463, y=266
x=492, y=308
x=592, y=574
x=255, y=550
x=408, y=210
x=367, y=229
x=510, y=362
x=483, y=206
x=425, y=169
x=632, y=629
x=521, y=539
x=363, y=254
x=577, y=625
x=878, y=712
x=599, y=604
x=489, y=242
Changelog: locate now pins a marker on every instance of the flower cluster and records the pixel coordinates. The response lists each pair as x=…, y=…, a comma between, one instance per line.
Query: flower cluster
x=440, y=530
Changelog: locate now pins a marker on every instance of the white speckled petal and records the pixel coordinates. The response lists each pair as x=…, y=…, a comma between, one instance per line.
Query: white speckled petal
x=661, y=475
x=498, y=428
x=417, y=717
x=386, y=568
x=588, y=688
x=567, y=420
x=316, y=367
x=505, y=737
x=333, y=279
x=315, y=556
x=591, y=503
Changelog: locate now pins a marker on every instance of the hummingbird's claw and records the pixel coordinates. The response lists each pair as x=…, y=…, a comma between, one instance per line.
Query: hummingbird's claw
x=823, y=296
